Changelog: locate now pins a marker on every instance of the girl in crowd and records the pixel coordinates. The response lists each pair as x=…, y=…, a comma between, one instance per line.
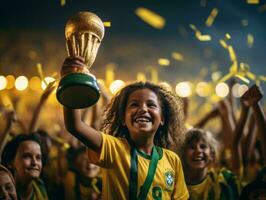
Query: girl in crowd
x=203, y=180
x=23, y=156
x=7, y=185
x=141, y=121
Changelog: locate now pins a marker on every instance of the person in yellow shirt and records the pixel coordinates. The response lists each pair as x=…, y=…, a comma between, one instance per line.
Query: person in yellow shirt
x=142, y=120
x=203, y=180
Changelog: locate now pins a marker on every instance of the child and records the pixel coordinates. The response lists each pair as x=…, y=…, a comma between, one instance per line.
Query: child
x=23, y=155
x=199, y=153
x=141, y=116
x=7, y=184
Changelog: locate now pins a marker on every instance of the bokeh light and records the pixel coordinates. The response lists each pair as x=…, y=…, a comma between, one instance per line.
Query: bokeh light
x=10, y=82
x=203, y=89
x=3, y=82
x=184, y=89
x=222, y=89
x=46, y=81
x=35, y=83
x=21, y=83
x=116, y=86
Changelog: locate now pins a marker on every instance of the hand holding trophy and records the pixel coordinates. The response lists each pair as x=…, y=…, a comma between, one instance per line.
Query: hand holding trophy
x=78, y=88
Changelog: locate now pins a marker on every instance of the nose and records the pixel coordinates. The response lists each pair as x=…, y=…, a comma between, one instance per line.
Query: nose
x=34, y=161
x=143, y=108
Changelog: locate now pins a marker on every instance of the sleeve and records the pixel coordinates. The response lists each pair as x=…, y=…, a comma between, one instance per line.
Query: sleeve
x=180, y=188
x=110, y=152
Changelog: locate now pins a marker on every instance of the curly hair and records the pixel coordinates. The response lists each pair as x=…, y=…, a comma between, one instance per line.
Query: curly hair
x=170, y=135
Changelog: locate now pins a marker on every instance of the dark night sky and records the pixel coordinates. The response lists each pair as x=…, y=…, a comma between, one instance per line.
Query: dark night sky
x=132, y=44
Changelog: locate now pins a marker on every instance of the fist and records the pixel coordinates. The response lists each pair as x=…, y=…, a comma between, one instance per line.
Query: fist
x=252, y=96
x=72, y=65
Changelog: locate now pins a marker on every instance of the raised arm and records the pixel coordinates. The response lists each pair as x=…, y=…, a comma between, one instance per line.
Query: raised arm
x=212, y=114
x=72, y=117
x=252, y=98
x=45, y=95
x=237, y=151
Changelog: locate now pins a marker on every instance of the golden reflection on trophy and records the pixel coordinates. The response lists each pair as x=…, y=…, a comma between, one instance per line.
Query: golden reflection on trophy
x=78, y=88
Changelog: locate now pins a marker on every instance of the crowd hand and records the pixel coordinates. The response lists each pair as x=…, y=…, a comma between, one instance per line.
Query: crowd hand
x=48, y=90
x=252, y=96
x=223, y=107
x=73, y=64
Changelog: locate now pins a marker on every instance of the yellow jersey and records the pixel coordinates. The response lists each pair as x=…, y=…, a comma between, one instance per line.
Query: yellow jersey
x=114, y=158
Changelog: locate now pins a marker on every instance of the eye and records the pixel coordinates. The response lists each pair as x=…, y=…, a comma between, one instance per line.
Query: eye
x=203, y=146
x=9, y=187
x=133, y=104
x=38, y=157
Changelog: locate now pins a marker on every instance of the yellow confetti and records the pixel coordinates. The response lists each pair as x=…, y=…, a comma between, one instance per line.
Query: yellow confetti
x=177, y=56
x=107, y=24
x=253, y=1
x=242, y=78
x=163, y=62
x=263, y=78
x=150, y=17
x=203, y=38
x=227, y=36
x=250, y=40
x=193, y=27
x=40, y=71
x=232, y=53
x=62, y=2
x=199, y=35
x=212, y=17
x=223, y=43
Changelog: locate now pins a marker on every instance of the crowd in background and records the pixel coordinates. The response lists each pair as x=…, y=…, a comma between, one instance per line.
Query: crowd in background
x=36, y=164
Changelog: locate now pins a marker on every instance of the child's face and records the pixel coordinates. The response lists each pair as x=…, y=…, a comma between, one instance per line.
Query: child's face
x=28, y=161
x=7, y=187
x=198, y=155
x=143, y=114
x=85, y=168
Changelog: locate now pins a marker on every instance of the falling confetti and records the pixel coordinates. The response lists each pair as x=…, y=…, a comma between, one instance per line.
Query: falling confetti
x=62, y=2
x=199, y=35
x=250, y=40
x=40, y=72
x=107, y=24
x=150, y=17
x=163, y=62
x=253, y=1
x=212, y=17
x=177, y=56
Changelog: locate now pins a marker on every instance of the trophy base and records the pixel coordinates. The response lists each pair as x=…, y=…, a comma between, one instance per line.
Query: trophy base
x=78, y=90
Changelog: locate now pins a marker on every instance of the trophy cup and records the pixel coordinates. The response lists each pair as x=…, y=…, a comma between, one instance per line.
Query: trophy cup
x=78, y=88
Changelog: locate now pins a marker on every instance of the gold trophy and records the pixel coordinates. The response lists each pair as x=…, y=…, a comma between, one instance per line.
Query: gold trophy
x=78, y=88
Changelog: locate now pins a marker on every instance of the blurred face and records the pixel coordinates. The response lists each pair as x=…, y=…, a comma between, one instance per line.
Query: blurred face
x=198, y=155
x=143, y=114
x=28, y=161
x=85, y=168
x=7, y=187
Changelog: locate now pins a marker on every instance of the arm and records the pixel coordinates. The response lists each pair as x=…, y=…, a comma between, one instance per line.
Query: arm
x=212, y=114
x=10, y=117
x=227, y=122
x=251, y=98
x=86, y=134
x=72, y=117
x=49, y=89
x=237, y=152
